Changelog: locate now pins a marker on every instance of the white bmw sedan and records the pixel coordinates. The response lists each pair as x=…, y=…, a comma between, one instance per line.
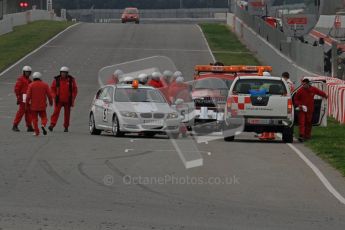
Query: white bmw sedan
x=125, y=108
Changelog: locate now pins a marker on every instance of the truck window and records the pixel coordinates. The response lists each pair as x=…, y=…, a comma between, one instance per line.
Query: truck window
x=260, y=86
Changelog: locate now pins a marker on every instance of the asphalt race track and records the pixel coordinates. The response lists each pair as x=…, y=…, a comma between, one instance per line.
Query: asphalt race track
x=79, y=181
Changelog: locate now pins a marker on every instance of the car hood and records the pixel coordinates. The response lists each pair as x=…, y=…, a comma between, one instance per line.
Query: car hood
x=143, y=107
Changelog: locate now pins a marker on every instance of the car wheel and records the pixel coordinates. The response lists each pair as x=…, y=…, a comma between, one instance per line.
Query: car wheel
x=115, y=128
x=288, y=135
x=230, y=138
x=137, y=22
x=92, y=126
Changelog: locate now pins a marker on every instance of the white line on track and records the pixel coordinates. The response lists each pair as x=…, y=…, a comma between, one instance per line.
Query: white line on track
x=208, y=47
x=319, y=174
x=313, y=167
x=36, y=50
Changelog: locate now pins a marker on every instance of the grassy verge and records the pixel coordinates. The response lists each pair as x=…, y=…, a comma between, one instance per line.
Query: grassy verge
x=25, y=39
x=226, y=47
x=329, y=143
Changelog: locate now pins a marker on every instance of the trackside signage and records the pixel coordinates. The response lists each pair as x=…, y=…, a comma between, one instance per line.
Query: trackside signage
x=297, y=25
x=258, y=7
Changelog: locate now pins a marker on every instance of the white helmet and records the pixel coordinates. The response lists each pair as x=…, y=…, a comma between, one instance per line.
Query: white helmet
x=180, y=80
x=64, y=69
x=36, y=75
x=156, y=75
x=177, y=74
x=128, y=80
x=118, y=73
x=266, y=74
x=168, y=74
x=143, y=78
x=27, y=68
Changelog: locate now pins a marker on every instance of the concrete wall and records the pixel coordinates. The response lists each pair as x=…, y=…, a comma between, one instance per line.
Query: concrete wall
x=265, y=51
x=95, y=15
x=11, y=20
x=5, y=26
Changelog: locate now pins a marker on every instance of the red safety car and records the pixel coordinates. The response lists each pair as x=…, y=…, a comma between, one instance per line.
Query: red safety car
x=130, y=14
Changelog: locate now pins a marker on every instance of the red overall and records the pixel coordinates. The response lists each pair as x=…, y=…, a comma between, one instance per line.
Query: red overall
x=155, y=83
x=179, y=91
x=64, y=90
x=20, y=89
x=113, y=80
x=305, y=96
x=37, y=95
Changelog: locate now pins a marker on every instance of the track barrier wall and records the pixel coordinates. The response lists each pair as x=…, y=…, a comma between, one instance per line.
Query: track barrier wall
x=11, y=20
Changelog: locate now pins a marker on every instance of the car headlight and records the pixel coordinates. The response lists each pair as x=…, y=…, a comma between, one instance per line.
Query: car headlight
x=129, y=114
x=172, y=115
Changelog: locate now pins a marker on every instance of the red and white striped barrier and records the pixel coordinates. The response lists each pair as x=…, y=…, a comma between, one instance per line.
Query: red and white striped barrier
x=336, y=96
x=342, y=102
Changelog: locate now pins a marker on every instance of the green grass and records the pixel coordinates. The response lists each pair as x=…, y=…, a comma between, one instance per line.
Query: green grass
x=329, y=143
x=25, y=39
x=226, y=47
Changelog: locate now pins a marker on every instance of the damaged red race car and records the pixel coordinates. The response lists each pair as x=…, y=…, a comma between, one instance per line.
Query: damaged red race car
x=210, y=90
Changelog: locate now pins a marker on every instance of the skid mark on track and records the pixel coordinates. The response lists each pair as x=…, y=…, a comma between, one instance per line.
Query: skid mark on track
x=33, y=158
x=125, y=156
x=122, y=174
x=50, y=171
x=84, y=174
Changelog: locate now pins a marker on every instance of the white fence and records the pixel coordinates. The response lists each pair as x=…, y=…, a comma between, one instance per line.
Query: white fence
x=11, y=20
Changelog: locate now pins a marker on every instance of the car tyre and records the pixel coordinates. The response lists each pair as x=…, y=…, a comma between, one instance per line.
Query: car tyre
x=230, y=138
x=115, y=128
x=92, y=126
x=288, y=135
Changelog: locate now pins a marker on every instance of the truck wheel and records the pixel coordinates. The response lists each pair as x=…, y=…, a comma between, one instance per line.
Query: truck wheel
x=288, y=135
x=230, y=138
x=92, y=126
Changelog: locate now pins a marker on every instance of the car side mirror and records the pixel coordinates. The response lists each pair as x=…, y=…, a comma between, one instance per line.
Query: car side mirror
x=179, y=101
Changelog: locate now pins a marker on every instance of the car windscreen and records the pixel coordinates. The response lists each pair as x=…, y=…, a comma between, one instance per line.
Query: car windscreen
x=131, y=11
x=260, y=86
x=213, y=84
x=138, y=95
